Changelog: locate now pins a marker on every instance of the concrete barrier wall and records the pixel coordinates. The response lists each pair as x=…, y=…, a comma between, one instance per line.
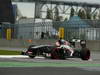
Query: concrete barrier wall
x=92, y=45
x=23, y=43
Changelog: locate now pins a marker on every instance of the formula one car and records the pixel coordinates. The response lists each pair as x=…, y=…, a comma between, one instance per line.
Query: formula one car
x=53, y=52
x=39, y=50
x=63, y=53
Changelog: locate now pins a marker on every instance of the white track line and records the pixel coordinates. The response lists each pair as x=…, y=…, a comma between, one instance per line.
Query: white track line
x=13, y=56
x=17, y=56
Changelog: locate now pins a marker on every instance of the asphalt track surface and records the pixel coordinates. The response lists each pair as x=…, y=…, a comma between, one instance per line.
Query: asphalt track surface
x=46, y=71
x=22, y=65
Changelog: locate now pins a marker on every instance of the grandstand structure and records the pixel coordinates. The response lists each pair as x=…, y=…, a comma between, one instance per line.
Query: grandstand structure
x=63, y=6
x=28, y=18
x=6, y=12
x=32, y=28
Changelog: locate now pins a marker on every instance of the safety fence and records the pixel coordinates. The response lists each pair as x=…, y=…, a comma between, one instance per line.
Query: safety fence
x=79, y=29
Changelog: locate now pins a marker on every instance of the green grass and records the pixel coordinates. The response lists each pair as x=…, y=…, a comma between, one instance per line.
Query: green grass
x=47, y=64
x=8, y=52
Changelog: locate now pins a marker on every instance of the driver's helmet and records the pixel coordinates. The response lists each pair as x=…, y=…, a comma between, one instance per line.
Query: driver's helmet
x=62, y=41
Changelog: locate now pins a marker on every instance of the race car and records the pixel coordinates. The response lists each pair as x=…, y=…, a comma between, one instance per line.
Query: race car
x=38, y=50
x=53, y=52
x=63, y=53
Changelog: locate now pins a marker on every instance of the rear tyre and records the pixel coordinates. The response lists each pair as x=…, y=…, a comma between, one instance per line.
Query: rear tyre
x=85, y=54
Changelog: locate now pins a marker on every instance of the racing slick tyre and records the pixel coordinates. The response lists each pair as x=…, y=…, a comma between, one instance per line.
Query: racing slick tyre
x=31, y=56
x=54, y=55
x=85, y=54
x=58, y=54
x=23, y=53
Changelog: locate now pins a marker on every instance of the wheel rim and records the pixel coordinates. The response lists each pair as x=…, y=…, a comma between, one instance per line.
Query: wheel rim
x=87, y=55
x=54, y=54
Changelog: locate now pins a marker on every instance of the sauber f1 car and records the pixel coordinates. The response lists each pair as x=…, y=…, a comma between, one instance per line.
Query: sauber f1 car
x=53, y=52
x=39, y=50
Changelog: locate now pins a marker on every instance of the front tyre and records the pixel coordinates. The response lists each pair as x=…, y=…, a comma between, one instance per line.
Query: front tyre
x=58, y=54
x=31, y=56
x=54, y=54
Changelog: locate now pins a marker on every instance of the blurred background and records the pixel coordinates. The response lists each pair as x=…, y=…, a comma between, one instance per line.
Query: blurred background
x=25, y=22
